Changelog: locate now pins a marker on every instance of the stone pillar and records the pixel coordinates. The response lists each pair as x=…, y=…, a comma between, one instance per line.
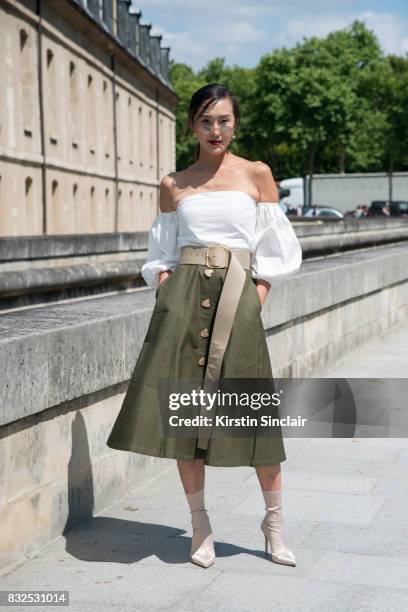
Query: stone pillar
x=155, y=53
x=94, y=8
x=123, y=20
x=133, y=32
x=164, y=62
x=144, y=29
x=108, y=16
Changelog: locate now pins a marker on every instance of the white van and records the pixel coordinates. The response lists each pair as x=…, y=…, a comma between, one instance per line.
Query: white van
x=291, y=192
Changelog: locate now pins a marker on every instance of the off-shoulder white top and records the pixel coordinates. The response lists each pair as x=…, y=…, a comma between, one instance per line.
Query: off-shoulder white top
x=232, y=218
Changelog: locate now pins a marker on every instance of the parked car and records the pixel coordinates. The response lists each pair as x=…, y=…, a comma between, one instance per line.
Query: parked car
x=323, y=211
x=397, y=208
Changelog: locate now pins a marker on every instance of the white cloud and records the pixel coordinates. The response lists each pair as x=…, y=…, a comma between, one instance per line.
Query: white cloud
x=310, y=26
x=211, y=8
x=196, y=47
x=185, y=47
x=240, y=31
x=252, y=10
x=391, y=30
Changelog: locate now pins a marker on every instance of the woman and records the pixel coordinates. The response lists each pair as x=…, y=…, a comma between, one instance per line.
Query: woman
x=219, y=240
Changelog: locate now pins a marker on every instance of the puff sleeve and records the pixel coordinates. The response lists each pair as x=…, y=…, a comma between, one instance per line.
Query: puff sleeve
x=163, y=252
x=276, y=251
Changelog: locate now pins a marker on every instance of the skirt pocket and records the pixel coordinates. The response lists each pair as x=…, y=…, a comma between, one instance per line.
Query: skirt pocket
x=165, y=283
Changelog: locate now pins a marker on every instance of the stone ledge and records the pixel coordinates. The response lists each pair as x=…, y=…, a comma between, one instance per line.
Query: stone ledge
x=17, y=248
x=325, y=283
x=22, y=282
x=62, y=352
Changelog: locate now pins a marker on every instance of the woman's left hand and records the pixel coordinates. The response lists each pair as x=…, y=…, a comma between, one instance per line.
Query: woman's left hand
x=262, y=288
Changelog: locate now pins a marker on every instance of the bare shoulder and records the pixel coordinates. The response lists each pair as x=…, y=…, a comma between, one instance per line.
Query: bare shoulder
x=261, y=169
x=175, y=184
x=166, y=192
x=180, y=181
x=262, y=172
x=265, y=183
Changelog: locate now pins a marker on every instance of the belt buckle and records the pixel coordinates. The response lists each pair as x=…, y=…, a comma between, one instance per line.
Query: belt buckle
x=226, y=256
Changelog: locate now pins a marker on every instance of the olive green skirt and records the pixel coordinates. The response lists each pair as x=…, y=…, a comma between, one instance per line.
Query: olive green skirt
x=174, y=348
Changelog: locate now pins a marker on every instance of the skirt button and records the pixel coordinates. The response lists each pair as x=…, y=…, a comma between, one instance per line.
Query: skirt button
x=201, y=361
x=208, y=271
x=206, y=303
x=204, y=333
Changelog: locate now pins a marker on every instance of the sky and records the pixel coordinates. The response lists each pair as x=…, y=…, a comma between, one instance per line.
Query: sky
x=241, y=31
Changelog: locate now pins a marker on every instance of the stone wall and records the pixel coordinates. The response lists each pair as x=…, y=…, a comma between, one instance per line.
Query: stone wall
x=65, y=369
x=87, y=124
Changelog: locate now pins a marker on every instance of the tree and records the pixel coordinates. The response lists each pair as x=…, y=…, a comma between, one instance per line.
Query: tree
x=326, y=104
x=185, y=83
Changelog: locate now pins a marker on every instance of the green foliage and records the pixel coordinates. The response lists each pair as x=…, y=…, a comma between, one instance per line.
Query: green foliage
x=326, y=105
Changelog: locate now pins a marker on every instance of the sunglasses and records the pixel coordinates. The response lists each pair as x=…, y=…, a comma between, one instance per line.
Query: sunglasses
x=205, y=126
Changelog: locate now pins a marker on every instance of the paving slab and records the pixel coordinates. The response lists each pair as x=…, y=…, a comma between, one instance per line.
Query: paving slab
x=344, y=509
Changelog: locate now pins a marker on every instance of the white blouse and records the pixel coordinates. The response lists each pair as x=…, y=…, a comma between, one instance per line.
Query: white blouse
x=232, y=218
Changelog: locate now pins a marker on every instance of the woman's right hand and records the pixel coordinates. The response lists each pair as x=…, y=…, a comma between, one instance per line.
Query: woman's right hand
x=163, y=275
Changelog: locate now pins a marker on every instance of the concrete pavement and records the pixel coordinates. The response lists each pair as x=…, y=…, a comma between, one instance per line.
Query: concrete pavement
x=344, y=504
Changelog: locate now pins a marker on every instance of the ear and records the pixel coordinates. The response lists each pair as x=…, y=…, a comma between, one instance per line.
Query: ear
x=268, y=191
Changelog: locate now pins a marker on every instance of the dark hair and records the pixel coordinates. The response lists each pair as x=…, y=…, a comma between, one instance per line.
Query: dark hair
x=210, y=92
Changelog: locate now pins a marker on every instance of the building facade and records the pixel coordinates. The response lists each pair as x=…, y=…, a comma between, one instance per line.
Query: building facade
x=87, y=124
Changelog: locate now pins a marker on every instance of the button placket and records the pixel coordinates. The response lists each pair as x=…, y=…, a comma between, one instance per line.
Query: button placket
x=205, y=303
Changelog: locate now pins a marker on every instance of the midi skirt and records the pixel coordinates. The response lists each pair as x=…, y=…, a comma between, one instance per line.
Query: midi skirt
x=175, y=345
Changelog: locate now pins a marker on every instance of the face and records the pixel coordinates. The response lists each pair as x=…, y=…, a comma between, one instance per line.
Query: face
x=214, y=128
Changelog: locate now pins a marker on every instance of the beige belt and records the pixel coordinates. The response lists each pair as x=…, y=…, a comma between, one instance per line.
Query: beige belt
x=236, y=261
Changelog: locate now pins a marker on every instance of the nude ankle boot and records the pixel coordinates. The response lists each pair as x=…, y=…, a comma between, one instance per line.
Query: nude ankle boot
x=202, y=544
x=272, y=529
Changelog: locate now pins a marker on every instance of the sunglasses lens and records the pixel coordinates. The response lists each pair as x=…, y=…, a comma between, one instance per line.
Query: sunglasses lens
x=206, y=127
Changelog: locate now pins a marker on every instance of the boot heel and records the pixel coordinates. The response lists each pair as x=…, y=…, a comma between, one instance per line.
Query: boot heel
x=272, y=529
